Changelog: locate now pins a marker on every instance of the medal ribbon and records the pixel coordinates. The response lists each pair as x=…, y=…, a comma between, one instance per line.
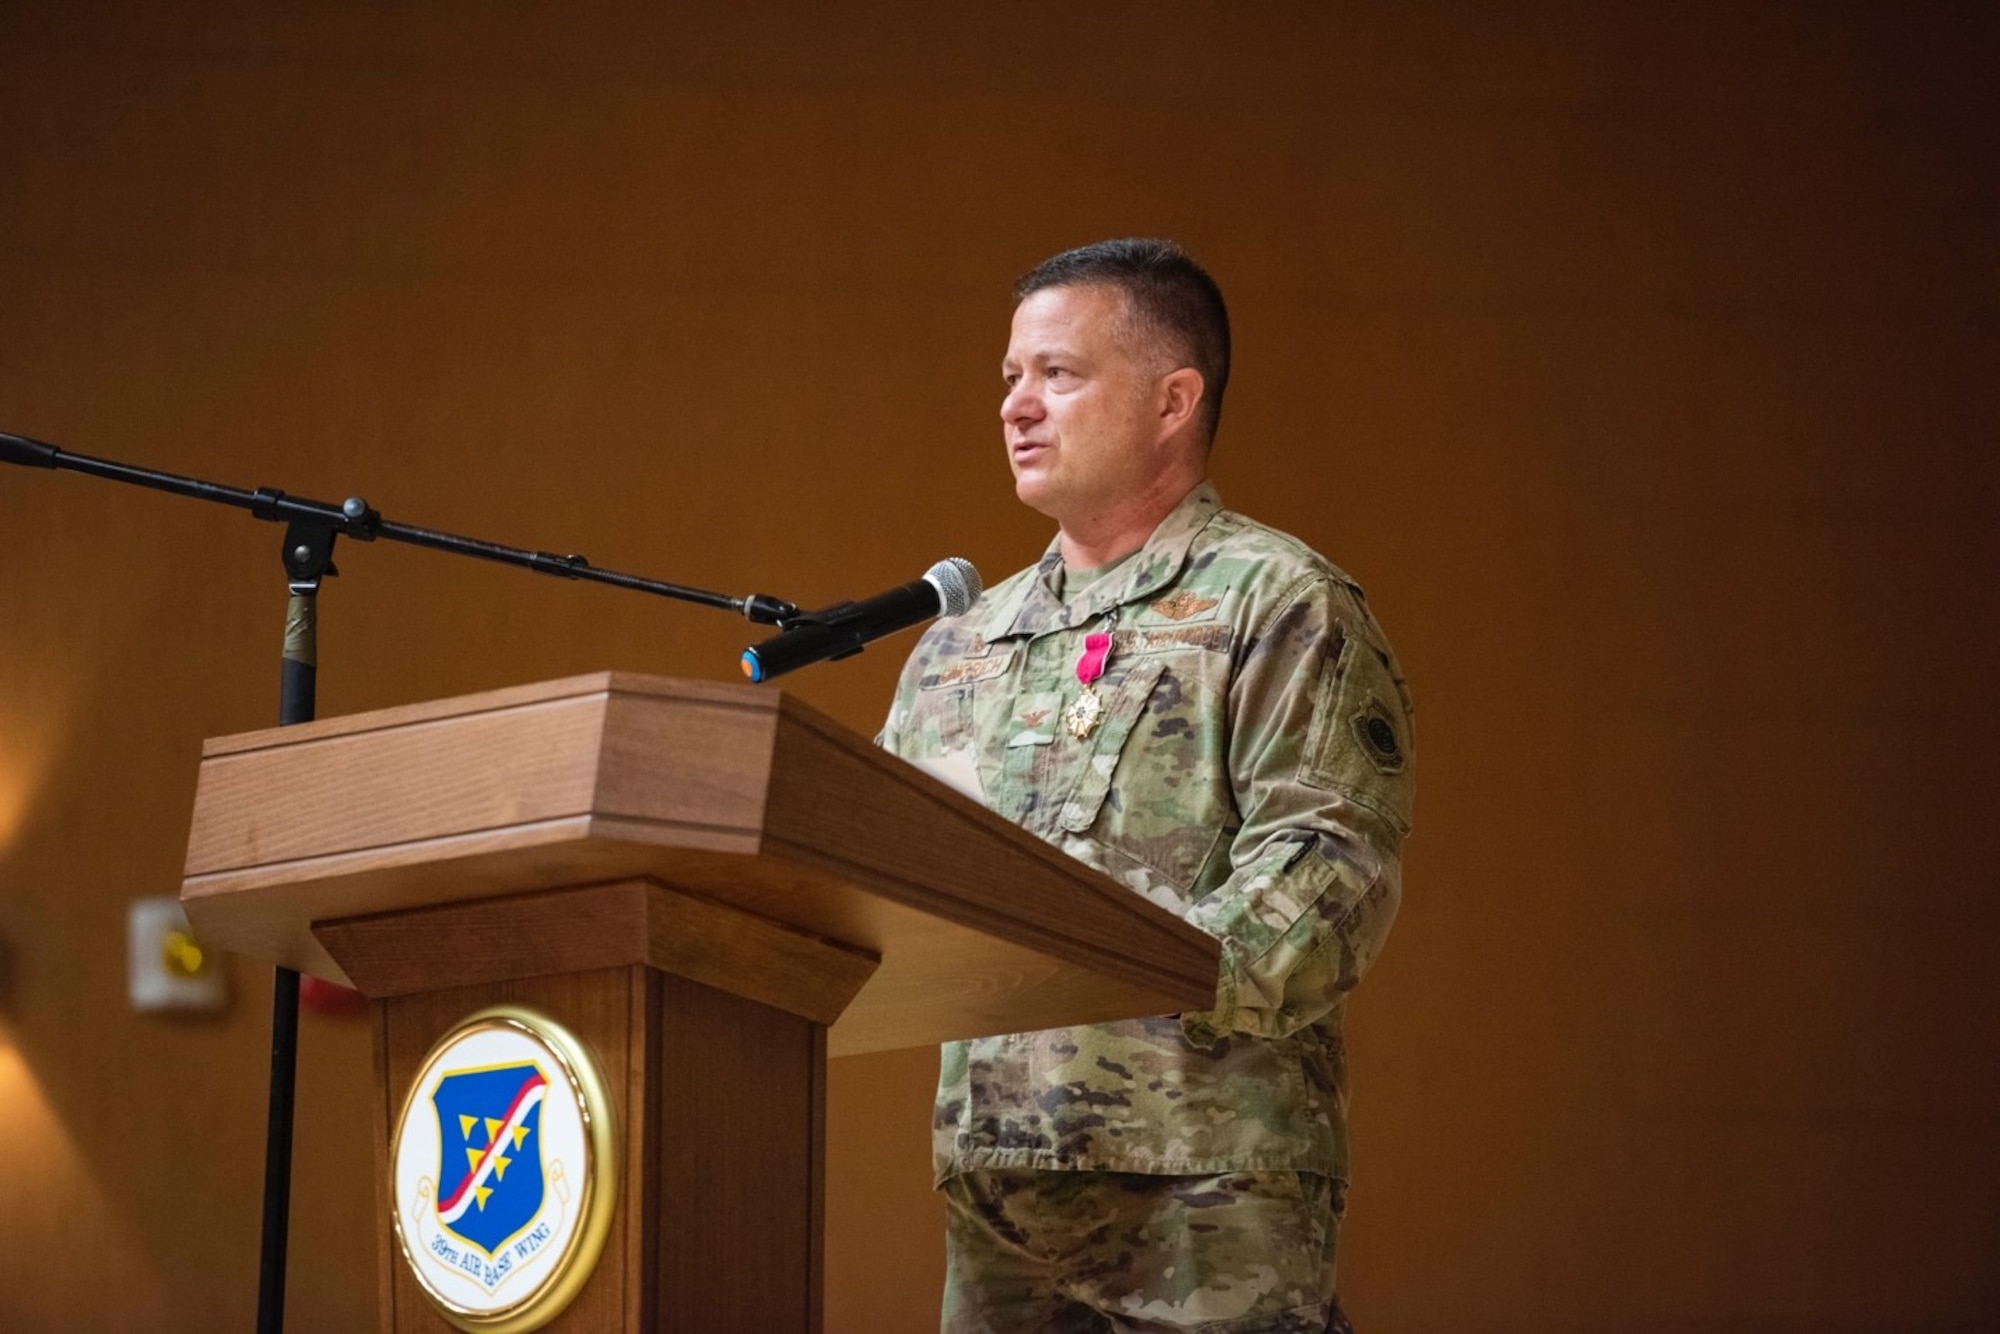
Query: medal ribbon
x=1084, y=711
x=1096, y=652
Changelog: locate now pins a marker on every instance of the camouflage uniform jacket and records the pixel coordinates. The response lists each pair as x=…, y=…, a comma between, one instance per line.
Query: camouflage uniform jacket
x=1251, y=772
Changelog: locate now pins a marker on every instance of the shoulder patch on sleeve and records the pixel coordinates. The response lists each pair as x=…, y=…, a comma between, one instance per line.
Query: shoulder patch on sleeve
x=1361, y=744
x=1375, y=729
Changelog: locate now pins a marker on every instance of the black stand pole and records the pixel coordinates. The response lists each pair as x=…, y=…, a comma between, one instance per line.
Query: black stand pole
x=308, y=556
x=278, y=1151
x=311, y=528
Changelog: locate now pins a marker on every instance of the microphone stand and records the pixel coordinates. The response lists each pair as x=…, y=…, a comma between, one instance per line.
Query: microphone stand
x=311, y=527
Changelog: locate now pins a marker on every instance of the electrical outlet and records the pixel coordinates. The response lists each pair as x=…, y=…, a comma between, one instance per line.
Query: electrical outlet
x=169, y=969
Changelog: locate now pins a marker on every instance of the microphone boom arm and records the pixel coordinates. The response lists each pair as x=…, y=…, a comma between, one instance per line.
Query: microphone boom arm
x=355, y=518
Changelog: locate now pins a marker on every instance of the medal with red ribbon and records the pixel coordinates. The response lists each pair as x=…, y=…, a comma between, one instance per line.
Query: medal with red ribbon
x=1082, y=716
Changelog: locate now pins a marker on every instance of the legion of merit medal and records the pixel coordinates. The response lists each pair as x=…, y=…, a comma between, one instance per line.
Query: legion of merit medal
x=1083, y=713
x=504, y=1171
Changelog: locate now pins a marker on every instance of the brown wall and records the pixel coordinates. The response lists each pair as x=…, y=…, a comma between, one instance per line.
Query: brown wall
x=1639, y=359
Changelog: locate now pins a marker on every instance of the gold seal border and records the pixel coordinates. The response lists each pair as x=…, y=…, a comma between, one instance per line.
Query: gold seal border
x=599, y=1188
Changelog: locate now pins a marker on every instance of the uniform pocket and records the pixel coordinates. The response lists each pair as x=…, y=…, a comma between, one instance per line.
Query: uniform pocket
x=940, y=720
x=1122, y=711
x=1361, y=743
x=941, y=713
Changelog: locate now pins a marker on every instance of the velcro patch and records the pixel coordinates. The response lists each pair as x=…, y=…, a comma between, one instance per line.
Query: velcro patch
x=959, y=673
x=1360, y=742
x=1214, y=637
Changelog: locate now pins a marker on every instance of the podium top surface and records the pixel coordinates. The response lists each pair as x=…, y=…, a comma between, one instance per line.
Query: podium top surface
x=732, y=795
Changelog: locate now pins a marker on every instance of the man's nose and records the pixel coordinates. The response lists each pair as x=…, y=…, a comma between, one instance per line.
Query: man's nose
x=1020, y=404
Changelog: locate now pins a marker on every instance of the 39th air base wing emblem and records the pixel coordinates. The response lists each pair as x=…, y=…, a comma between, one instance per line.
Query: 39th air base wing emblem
x=503, y=1171
x=488, y=1122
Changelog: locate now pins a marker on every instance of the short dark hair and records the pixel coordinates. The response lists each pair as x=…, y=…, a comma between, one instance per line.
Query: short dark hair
x=1171, y=298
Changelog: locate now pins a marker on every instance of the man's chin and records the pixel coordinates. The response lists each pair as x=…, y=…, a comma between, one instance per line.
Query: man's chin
x=1036, y=494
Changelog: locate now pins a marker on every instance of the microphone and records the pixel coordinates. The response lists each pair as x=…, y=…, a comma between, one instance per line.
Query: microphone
x=948, y=588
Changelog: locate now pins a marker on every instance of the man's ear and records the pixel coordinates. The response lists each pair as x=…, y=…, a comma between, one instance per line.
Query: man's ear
x=1180, y=398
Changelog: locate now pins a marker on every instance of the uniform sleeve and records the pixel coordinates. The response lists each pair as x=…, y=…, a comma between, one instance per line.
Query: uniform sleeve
x=1322, y=767
x=890, y=738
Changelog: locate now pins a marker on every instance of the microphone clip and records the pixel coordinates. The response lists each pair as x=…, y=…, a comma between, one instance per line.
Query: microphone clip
x=831, y=618
x=767, y=610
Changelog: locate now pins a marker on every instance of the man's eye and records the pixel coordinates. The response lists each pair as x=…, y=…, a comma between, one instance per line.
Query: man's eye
x=1057, y=372
x=1010, y=380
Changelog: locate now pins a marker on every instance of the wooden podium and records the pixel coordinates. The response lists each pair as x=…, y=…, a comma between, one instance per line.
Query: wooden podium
x=713, y=887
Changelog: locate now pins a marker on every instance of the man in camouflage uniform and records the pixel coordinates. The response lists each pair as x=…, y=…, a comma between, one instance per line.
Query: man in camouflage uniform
x=1243, y=759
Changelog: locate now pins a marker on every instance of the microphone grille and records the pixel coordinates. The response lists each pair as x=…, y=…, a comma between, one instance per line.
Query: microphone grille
x=957, y=583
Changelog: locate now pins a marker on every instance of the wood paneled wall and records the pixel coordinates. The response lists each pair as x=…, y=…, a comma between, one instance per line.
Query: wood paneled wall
x=1639, y=360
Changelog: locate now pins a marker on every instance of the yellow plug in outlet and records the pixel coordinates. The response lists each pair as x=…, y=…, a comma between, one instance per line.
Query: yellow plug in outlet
x=168, y=968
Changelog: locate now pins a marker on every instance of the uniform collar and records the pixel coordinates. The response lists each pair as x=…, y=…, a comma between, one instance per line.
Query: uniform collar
x=1031, y=606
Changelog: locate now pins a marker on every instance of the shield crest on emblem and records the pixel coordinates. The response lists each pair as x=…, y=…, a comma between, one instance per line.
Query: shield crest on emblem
x=490, y=1153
